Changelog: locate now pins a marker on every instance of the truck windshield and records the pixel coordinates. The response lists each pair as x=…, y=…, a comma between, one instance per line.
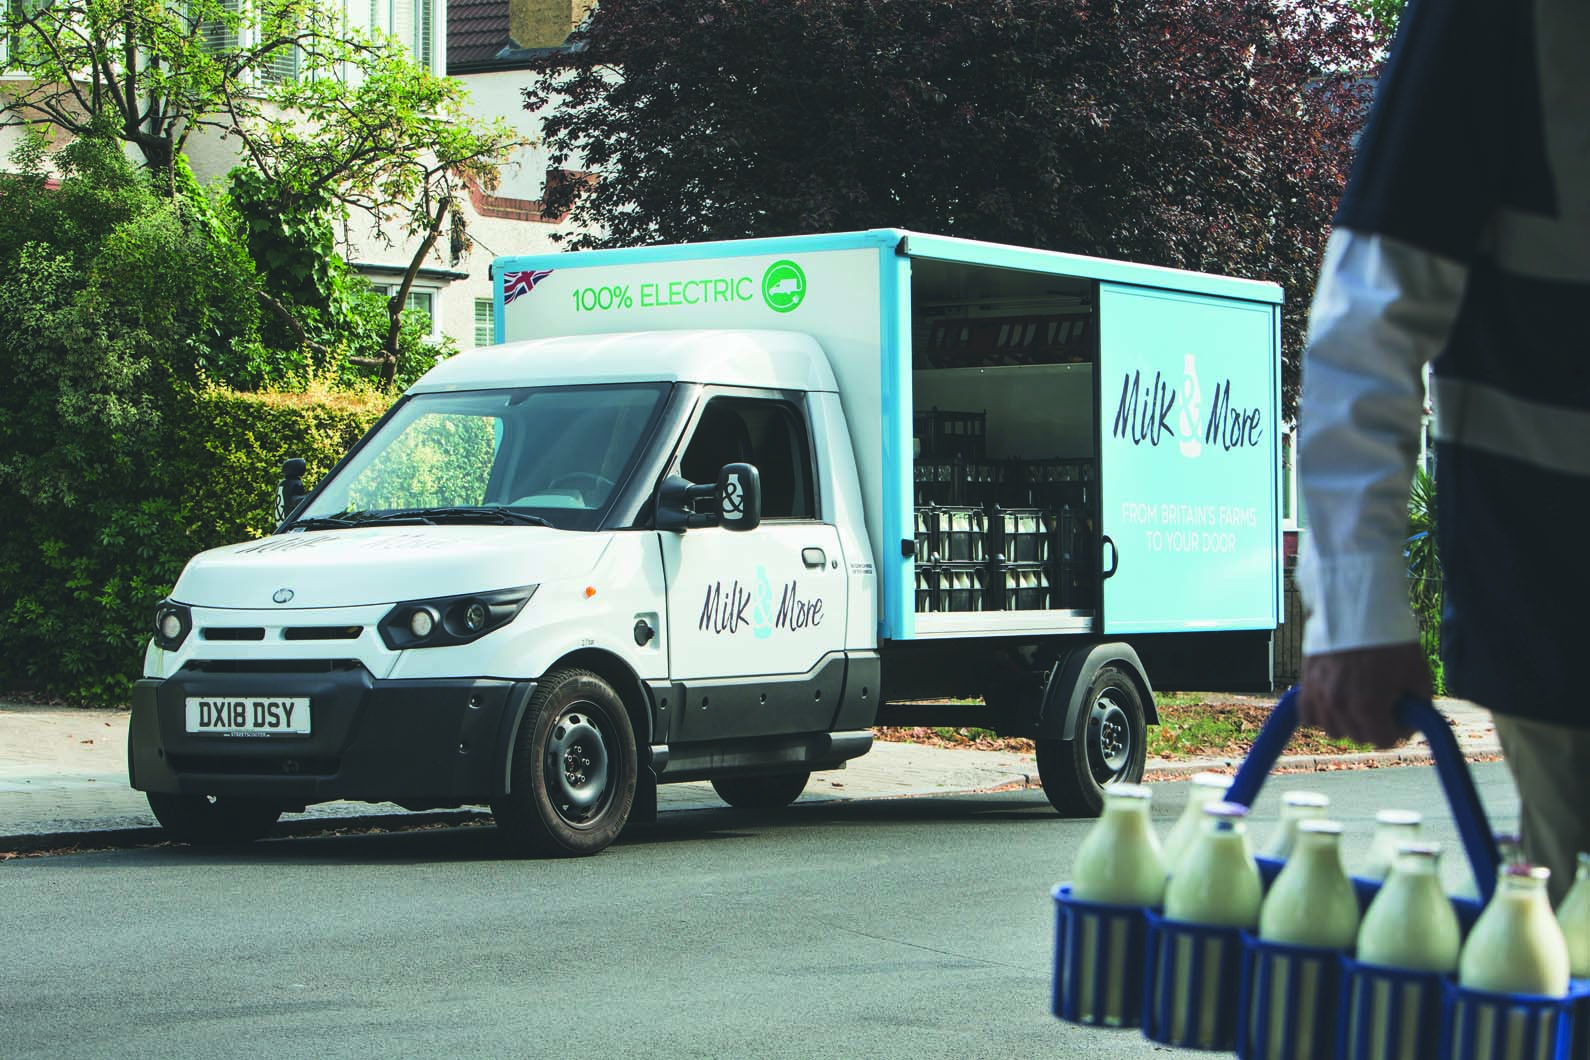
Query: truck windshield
x=528, y=455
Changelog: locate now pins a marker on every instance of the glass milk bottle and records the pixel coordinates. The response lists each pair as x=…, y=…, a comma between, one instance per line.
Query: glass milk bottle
x=1573, y=916
x=1516, y=945
x=1392, y=829
x=1295, y=806
x=1217, y=884
x=1119, y=863
x=1205, y=788
x=1410, y=924
x=1311, y=903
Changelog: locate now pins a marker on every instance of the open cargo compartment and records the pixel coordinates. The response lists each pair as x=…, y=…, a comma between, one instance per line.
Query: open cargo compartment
x=1095, y=445
x=1005, y=460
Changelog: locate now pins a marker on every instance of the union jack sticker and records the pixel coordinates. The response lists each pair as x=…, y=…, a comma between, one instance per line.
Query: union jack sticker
x=515, y=284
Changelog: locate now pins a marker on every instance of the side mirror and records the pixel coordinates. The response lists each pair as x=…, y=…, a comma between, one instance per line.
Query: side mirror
x=739, y=497
x=290, y=492
x=736, y=500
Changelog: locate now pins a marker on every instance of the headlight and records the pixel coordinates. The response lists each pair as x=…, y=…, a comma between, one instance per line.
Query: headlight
x=450, y=620
x=172, y=624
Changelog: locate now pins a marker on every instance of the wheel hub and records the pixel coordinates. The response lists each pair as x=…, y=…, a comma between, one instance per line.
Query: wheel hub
x=1111, y=737
x=577, y=761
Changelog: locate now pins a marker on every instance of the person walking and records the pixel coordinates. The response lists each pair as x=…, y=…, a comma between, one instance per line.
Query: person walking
x=1462, y=240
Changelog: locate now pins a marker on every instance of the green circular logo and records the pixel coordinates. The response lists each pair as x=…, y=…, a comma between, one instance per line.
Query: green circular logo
x=783, y=286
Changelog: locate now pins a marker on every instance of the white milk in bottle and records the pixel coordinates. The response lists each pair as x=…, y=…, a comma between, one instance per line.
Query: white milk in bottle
x=1295, y=806
x=1311, y=903
x=1573, y=916
x=1392, y=829
x=1217, y=884
x=1118, y=863
x=1410, y=926
x=1515, y=947
x=1205, y=788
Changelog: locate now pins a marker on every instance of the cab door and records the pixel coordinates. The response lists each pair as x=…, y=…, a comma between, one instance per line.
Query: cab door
x=756, y=619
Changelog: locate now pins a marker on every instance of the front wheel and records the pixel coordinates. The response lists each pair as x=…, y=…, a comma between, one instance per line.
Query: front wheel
x=761, y=793
x=1108, y=745
x=205, y=820
x=572, y=769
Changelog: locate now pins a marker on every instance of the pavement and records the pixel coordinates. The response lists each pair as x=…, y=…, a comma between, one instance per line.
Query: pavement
x=63, y=777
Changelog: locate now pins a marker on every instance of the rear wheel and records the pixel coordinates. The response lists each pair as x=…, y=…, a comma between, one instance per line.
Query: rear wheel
x=761, y=793
x=572, y=770
x=1108, y=745
x=213, y=820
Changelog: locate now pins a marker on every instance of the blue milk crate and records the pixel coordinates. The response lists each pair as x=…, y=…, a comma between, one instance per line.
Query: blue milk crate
x=1364, y=998
x=1098, y=961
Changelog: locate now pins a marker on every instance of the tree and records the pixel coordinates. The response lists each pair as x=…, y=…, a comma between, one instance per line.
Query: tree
x=329, y=121
x=1203, y=134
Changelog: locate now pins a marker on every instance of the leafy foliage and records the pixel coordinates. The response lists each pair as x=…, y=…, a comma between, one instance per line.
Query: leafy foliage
x=1203, y=134
x=114, y=469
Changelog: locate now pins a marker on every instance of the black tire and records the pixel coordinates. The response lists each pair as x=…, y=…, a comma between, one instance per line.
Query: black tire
x=1108, y=745
x=204, y=820
x=761, y=793
x=572, y=769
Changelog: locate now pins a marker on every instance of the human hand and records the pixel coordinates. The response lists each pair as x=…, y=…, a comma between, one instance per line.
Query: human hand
x=1352, y=693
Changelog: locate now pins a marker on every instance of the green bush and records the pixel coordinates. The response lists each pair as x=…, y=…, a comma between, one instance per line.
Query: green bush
x=117, y=460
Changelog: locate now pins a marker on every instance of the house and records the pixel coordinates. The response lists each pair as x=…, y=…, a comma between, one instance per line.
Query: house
x=486, y=44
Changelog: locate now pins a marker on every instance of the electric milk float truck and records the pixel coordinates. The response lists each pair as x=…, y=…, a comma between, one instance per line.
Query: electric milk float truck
x=713, y=511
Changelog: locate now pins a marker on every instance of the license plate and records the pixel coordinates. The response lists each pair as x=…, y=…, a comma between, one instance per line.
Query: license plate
x=249, y=716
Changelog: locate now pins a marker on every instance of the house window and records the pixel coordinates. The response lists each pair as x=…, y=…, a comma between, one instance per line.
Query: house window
x=411, y=21
x=232, y=32
x=484, y=319
x=421, y=298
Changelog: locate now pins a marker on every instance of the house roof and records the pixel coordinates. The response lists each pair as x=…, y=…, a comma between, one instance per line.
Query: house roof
x=478, y=38
x=476, y=31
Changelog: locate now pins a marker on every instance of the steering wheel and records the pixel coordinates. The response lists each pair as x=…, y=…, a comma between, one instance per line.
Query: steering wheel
x=573, y=480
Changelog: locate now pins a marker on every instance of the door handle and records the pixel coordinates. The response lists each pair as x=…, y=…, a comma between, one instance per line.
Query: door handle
x=1115, y=557
x=815, y=558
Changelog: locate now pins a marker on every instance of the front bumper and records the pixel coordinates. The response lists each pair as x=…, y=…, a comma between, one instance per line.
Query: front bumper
x=419, y=743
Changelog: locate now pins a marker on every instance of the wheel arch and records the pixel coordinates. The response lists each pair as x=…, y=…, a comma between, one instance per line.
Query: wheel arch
x=1066, y=694
x=611, y=668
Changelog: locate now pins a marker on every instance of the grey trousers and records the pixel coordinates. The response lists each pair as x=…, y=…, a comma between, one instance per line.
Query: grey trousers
x=1551, y=768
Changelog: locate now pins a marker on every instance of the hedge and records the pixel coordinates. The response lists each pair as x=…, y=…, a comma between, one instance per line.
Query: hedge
x=78, y=584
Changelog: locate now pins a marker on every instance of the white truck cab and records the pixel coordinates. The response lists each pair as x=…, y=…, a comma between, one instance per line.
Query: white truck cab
x=715, y=511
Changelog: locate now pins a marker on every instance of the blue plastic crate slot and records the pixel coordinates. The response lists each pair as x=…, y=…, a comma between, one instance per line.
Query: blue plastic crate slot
x=1484, y=1026
x=1192, y=985
x=1291, y=1002
x=1098, y=973
x=1391, y=1014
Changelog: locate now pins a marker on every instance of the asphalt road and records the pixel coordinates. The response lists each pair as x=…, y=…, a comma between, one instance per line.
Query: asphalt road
x=905, y=928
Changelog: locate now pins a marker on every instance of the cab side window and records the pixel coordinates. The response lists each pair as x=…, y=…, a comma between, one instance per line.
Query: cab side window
x=767, y=433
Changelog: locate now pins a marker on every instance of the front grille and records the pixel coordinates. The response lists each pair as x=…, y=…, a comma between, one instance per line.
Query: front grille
x=232, y=633
x=271, y=666
x=255, y=766
x=322, y=632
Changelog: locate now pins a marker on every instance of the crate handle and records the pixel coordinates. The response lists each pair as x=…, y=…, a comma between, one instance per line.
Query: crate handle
x=1473, y=827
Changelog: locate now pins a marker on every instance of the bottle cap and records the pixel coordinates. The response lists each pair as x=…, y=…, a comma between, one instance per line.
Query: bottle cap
x=1408, y=818
x=1305, y=798
x=1320, y=824
x=1233, y=811
x=1423, y=849
x=1211, y=780
x=1523, y=870
x=1129, y=791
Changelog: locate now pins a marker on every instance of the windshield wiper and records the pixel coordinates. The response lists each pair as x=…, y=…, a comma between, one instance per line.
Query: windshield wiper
x=321, y=522
x=506, y=516
x=461, y=514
